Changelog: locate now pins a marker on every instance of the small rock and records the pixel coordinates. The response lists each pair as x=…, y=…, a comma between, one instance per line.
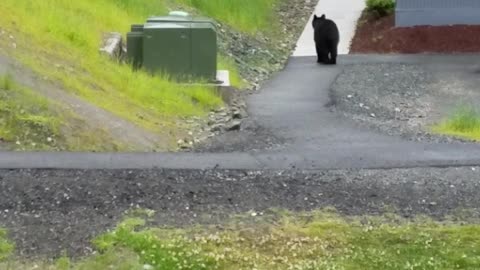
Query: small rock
x=14, y=45
x=219, y=110
x=112, y=45
x=234, y=125
x=361, y=105
x=242, y=105
x=186, y=146
x=397, y=109
x=217, y=127
x=147, y=267
x=240, y=114
x=49, y=139
x=373, y=115
x=349, y=96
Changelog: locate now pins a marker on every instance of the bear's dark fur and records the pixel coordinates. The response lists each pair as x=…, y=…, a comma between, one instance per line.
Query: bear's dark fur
x=326, y=38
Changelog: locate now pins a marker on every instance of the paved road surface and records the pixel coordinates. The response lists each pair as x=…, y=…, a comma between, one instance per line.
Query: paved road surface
x=294, y=106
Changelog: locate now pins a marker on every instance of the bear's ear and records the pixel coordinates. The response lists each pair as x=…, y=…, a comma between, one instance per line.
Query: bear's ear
x=315, y=17
x=323, y=16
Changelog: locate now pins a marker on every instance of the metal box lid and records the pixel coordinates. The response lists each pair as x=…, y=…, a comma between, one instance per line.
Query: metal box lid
x=167, y=25
x=180, y=17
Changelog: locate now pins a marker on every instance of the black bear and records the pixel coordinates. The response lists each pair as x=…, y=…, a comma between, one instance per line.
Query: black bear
x=326, y=38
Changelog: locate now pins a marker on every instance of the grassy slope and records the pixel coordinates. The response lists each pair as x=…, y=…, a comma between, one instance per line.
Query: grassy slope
x=247, y=15
x=59, y=39
x=32, y=122
x=302, y=242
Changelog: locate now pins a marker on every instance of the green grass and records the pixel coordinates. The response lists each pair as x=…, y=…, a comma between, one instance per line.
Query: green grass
x=63, y=39
x=246, y=15
x=59, y=40
x=29, y=121
x=307, y=241
x=6, y=248
x=464, y=122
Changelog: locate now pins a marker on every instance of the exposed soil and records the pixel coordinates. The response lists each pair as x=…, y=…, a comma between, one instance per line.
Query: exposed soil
x=378, y=35
x=48, y=211
x=404, y=100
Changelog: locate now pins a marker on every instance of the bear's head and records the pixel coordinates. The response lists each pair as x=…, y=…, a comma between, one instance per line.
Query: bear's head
x=317, y=20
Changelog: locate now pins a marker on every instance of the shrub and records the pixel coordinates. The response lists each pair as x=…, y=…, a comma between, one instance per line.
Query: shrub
x=381, y=7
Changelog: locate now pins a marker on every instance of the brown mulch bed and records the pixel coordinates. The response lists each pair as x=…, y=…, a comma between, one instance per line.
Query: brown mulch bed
x=378, y=35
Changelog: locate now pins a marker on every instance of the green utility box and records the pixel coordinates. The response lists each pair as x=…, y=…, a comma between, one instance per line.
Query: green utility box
x=137, y=28
x=135, y=49
x=178, y=44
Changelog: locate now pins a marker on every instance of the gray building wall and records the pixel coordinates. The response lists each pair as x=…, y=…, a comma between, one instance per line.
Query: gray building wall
x=437, y=12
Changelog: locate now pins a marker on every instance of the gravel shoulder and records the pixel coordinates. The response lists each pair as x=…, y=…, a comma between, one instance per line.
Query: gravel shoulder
x=251, y=137
x=404, y=100
x=48, y=211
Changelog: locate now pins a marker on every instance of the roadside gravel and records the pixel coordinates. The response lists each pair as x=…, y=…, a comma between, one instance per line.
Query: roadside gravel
x=48, y=211
x=404, y=100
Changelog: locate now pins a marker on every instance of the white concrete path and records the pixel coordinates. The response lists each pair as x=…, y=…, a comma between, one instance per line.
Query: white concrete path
x=345, y=13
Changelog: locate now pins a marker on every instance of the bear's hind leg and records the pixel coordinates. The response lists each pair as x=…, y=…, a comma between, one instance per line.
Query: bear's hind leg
x=318, y=53
x=333, y=53
x=322, y=55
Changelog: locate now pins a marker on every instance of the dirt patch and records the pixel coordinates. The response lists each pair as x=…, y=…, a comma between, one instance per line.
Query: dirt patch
x=379, y=35
x=404, y=100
